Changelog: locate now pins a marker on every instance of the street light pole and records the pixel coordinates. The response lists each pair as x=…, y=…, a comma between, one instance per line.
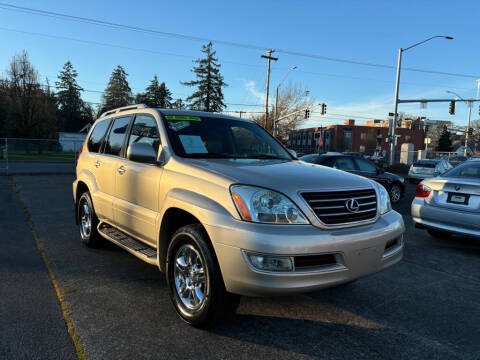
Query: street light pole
x=393, y=125
x=275, y=130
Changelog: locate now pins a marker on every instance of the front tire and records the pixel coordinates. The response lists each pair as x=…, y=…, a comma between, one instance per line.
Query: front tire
x=395, y=193
x=194, y=280
x=88, y=221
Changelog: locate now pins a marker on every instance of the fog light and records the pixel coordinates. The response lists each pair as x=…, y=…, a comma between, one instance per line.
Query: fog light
x=270, y=262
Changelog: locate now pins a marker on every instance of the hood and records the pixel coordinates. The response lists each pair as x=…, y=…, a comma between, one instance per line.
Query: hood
x=281, y=175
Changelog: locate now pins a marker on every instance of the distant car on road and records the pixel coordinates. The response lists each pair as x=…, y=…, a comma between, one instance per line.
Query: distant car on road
x=424, y=169
x=394, y=184
x=450, y=204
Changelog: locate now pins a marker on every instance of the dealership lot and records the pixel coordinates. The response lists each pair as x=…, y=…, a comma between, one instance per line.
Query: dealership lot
x=425, y=307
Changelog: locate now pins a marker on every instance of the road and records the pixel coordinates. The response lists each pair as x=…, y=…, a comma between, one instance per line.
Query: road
x=427, y=306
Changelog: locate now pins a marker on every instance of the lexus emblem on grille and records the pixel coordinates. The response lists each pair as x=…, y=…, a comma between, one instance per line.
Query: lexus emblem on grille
x=457, y=188
x=352, y=205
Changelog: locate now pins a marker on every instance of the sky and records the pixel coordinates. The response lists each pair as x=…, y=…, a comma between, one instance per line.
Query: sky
x=358, y=31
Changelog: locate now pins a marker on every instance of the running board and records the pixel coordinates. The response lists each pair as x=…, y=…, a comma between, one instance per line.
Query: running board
x=137, y=248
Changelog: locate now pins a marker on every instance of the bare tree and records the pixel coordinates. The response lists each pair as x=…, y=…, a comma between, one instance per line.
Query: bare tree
x=291, y=98
x=31, y=110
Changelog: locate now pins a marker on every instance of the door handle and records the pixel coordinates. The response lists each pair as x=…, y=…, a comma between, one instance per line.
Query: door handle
x=121, y=170
x=97, y=164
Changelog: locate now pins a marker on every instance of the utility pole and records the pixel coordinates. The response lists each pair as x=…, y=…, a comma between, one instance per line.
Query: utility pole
x=269, y=57
x=240, y=112
x=393, y=125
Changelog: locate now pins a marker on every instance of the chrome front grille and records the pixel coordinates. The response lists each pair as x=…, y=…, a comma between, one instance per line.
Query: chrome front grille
x=343, y=207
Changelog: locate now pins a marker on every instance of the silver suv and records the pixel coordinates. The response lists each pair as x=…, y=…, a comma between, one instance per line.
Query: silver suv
x=224, y=209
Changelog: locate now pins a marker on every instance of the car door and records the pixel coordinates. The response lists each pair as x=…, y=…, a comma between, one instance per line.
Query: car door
x=107, y=161
x=367, y=169
x=138, y=184
x=93, y=161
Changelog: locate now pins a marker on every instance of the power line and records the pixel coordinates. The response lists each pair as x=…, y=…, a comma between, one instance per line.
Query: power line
x=154, y=52
x=108, y=24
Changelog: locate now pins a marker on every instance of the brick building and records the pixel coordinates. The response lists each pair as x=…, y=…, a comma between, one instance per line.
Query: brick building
x=368, y=139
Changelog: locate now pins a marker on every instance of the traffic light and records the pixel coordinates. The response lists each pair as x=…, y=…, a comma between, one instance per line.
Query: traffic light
x=470, y=131
x=452, y=108
x=307, y=113
x=426, y=129
x=324, y=109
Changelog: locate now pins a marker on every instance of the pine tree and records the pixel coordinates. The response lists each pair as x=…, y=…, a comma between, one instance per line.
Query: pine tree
x=444, y=142
x=156, y=95
x=178, y=104
x=69, y=101
x=209, y=83
x=118, y=92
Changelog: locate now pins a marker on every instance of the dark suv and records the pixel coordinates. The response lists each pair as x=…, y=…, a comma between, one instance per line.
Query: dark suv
x=394, y=184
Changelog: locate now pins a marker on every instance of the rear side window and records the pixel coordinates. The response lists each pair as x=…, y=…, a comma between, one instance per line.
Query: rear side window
x=114, y=143
x=97, y=136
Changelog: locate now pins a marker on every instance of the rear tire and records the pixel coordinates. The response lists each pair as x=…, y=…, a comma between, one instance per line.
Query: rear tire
x=88, y=221
x=194, y=280
x=439, y=234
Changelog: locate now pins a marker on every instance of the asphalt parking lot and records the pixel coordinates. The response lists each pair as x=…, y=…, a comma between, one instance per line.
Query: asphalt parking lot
x=425, y=307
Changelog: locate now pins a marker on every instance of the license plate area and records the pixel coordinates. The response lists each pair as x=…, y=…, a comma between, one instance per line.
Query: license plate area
x=460, y=199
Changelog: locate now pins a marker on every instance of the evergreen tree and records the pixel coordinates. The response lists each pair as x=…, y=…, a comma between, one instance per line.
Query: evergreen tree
x=444, y=142
x=118, y=92
x=156, y=95
x=178, y=104
x=209, y=83
x=69, y=101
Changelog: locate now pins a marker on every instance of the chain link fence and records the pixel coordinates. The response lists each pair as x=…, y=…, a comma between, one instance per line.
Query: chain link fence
x=23, y=151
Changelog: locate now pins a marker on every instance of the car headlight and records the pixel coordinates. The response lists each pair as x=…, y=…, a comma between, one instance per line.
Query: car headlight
x=384, y=204
x=265, y=206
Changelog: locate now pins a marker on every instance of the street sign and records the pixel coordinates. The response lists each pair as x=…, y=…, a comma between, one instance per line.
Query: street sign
x=428, y=140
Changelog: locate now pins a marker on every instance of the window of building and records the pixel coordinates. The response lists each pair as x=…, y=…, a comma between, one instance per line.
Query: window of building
x=363, y=136
x=407, y=138
x=362, y=148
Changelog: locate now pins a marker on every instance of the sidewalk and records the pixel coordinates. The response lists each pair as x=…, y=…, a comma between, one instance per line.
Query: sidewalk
x=37, y=168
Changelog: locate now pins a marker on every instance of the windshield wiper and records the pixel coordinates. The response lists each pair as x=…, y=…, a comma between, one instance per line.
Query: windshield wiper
x=264, y=156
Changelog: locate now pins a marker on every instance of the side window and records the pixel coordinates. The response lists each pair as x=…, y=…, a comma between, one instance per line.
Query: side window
x=97, y=136
x=145, y=130
x=116, y=136
x=344, y=164
x=364, y=165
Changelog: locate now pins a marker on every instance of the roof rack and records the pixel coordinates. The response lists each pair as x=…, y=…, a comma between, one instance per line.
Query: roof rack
x=124, y=108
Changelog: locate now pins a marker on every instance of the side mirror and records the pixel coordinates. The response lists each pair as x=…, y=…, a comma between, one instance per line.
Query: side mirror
x=293, y=152
x=142, y=152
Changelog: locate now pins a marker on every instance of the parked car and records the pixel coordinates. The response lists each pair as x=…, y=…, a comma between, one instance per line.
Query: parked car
x=423, y=169
x=224, y=209
x=450, y=204
x=394, y=184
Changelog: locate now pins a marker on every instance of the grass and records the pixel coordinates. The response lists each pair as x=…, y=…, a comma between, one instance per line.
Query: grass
x=45, y=156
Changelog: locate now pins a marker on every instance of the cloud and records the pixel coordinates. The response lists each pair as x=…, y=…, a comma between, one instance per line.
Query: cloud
x=251, y=87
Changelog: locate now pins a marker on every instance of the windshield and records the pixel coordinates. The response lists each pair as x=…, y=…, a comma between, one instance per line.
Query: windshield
x=466, y=170
x=203, y=137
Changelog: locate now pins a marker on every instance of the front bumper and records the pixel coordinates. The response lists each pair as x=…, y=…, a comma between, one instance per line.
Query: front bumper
x=445, y=219
x=360, y=250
